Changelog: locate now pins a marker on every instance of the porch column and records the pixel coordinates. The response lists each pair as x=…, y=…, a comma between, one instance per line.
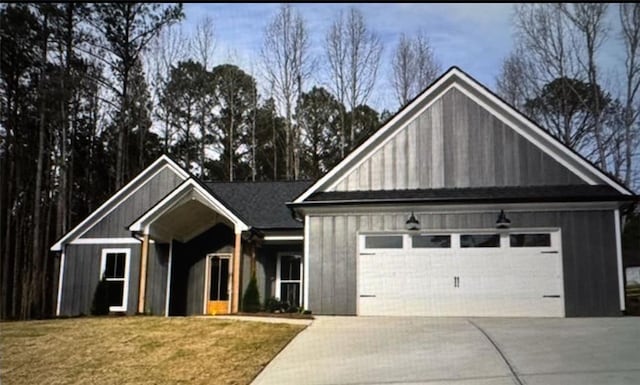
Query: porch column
x=235, y=298
x=144, y=256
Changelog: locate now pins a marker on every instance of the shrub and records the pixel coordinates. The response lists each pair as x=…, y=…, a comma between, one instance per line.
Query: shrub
x=251, y=299
x=100, y=304
x=274, y=305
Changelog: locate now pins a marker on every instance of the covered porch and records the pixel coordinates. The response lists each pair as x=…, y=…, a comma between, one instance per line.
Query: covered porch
x=204, y=243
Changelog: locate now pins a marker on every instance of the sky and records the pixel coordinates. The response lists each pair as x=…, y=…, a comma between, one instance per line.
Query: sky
x=474, y=37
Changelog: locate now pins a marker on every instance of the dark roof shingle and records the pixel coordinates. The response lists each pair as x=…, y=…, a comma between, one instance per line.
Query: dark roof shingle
x=261, y=204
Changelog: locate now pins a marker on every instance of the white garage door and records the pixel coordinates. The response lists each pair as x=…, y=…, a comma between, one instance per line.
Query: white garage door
x=484, y=274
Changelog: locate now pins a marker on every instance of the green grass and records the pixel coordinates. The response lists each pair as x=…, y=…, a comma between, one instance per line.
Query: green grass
x=138, y=350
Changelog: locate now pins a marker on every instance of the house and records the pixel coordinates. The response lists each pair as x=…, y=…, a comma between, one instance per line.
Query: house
x=457, y=206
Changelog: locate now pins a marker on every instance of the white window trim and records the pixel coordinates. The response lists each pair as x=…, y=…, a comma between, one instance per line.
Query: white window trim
x=280, y=281
x=127, y=266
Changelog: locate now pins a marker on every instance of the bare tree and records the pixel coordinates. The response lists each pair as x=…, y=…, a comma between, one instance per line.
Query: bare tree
x=588, y=18
x=286, y=64
x=513, y=81
x=402, y=65
x=414, y=67
x=630, y=22
x=353, y=52
x=165, y=52
x=545, y=47
x=203, y=43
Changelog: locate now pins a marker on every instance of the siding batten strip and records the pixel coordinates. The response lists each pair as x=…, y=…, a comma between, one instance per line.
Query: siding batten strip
x=616, y=218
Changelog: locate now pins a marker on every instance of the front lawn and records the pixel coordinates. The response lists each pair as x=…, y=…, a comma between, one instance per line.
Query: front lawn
x=138, y=350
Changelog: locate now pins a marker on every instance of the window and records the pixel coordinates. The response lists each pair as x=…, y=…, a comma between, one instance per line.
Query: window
x=383, y=242
x=289, y=283
x=115, y=270
x=530, y=240
x=430, y=241
x=479, y=240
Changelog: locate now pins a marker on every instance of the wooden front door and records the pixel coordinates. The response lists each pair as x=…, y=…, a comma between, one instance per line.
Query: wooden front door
x=218, y=287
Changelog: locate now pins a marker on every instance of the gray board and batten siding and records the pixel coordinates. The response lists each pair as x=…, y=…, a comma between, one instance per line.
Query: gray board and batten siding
x=82, y=275
x=114, y=225
x=456, y=143
x=588, y=251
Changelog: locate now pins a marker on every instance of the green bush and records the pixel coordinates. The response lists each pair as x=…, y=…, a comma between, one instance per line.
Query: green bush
x=100, y=304
x=251, y=299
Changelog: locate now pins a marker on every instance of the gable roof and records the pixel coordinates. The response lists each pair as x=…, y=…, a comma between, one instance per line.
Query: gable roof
x=189, y=190
x=261, y=204
x=161, y=163
x=455, y=77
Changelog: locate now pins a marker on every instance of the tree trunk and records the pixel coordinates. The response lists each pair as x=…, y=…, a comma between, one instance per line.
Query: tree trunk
x=36, y=253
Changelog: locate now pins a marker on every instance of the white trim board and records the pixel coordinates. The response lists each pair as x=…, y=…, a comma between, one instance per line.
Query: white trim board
x=305, y=263
x=60, y=281
x=283, y=238
x=616, y=218
x=105, y=241
x=120, y=196
x=514, y=119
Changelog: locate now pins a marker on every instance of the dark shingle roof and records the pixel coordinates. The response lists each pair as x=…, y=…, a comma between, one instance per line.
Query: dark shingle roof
x=261, y=204
x=568, y=193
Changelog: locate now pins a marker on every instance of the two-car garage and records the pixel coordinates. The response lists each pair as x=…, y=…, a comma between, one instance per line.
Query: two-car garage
x=467, y=273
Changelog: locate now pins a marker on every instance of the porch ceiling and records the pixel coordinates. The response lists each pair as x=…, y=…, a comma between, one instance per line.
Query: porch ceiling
x=185, y=221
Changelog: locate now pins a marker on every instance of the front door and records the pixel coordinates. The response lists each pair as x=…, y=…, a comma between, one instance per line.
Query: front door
x=218, y=289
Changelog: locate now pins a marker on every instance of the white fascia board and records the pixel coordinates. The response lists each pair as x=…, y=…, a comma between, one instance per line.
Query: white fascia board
x=174, y=197
x=382, y=131
x=105, y=241
x=119, y=197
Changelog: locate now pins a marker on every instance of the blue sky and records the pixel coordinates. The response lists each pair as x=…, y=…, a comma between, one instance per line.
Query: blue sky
x=474, y=37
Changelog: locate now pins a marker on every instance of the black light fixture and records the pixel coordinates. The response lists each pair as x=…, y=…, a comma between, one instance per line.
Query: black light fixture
x=503, y=222
x=412, y=223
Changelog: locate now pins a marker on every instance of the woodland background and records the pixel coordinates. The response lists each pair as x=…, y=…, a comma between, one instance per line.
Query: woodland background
x=91, y=94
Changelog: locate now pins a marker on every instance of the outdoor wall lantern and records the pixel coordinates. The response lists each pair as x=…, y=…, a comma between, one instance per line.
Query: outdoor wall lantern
x=503, y=222
x=412, y=223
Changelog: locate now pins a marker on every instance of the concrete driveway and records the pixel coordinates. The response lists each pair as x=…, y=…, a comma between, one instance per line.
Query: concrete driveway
x=414, y=350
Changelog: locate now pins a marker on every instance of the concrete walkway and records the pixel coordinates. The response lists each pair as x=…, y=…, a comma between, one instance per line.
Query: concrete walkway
x=282, y=320
x=420, y=350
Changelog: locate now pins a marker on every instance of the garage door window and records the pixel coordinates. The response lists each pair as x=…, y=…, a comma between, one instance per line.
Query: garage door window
x=383, y=242
x=430, y=241
x=479, y=240
x=530, y=240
